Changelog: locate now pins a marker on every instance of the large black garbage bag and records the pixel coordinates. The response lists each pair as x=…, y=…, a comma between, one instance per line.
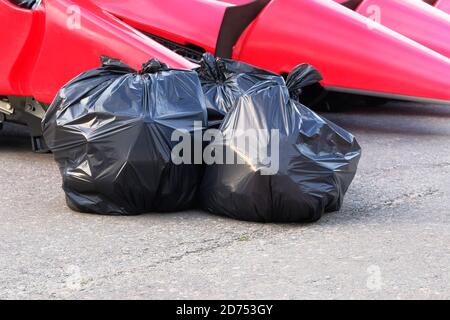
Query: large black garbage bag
x=300, y=167
x=224, y=81
x=110, y=131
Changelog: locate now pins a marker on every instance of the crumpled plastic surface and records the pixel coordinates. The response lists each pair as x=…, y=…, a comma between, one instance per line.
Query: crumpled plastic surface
x=317, y=160
x=224, y=81
x=27, y=4
x=110, y=131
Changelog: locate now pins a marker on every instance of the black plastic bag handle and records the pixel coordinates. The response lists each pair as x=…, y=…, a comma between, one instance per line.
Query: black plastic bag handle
x=210, y=69
x=220, y=69
x=302, y=76
x=115, y=65
x=151, y=66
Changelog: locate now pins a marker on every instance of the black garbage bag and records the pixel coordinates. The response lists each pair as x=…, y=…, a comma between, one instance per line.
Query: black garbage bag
x=298, y=166
x=224, y=81
x=110, y=130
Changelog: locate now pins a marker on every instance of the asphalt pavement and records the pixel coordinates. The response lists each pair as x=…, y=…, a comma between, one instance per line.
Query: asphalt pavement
x=391, y=240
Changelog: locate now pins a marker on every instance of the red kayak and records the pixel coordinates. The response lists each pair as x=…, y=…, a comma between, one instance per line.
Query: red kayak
x=45, y=44
x=41, y=51
x=353, y=53
x=414, y=19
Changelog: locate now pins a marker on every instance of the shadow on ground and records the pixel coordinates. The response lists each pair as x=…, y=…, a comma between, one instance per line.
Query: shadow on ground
x=15, y=138
x=395, y=118
x=399, y=118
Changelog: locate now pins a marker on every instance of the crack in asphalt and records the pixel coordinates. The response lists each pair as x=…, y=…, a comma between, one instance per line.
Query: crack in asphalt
x=246, y=236
x=396, y=201
x=408, y=167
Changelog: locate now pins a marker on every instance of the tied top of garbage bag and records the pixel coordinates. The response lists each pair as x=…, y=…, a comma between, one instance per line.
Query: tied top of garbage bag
x=224, y=81
x=110, y=130
x=300, y=79
x=283, y=162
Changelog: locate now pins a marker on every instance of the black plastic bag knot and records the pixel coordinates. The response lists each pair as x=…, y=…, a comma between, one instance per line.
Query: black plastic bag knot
x=224, y=81
x=153, y=66
x=211, y=69
x=303, y=75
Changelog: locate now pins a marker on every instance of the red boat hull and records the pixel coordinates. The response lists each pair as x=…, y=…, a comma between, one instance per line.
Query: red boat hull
x=352, y=52
x=414, y=19
x=45, y=48
x=377, y=60
x=405, y=68
x=188, y=22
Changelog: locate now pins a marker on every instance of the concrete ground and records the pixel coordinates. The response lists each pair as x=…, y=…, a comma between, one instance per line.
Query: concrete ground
x=391, y=239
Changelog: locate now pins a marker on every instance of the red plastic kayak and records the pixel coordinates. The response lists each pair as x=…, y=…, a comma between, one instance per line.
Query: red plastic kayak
x=45, y=47
x=414, y=19
x=188, y=22
x=45, y=44
x=377, y=61
x=352, y=52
